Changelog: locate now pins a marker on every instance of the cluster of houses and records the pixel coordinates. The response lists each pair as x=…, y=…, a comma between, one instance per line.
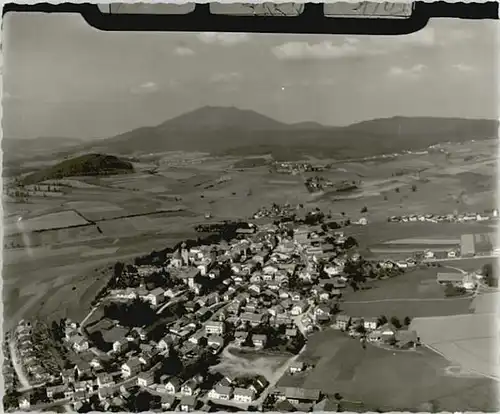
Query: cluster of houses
x=375, y=332
x=316, y=184
x=450, y=218
x=285, y=278
x=295, y=168
x=9, y=375
x=73, y=338
x=275, y=211
x=27, y=354
x=227, y=389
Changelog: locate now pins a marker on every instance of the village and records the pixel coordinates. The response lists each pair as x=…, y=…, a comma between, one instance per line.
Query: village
x=165, y=322
x=450, y=218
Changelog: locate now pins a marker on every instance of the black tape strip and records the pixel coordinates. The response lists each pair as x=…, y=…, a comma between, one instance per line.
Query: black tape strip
x=311, y=21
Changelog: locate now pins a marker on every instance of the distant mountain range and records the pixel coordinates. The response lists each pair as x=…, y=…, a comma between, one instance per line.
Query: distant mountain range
x=232, y=131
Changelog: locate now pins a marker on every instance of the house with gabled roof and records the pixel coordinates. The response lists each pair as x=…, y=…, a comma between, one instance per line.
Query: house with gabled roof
x=131, y=367
x=406, y=338
x=105, y=393
x=299, y=308
x=104, y=380
x=370, y=323
x=244, y=395
x=297, y=366
x=156, y=296
x=455, y=278
x=190, y=387
x=24, y=402
x=167, y=401
x=220, y=392
x=299, y=395
x=188, y=403
x=254, y=319
x=259, y=341
x=83, y=368
x=55, y=390
x=173, y=385
x=342, y=322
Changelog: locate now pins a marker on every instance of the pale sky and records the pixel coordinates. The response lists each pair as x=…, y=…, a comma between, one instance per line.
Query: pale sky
x=64, y=78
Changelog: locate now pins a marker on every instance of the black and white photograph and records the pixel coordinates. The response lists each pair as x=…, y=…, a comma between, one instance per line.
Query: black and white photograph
x=213, y=221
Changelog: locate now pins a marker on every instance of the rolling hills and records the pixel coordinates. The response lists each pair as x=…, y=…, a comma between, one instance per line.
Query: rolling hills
x=222, y=131
x=231, y=131
x=85, y=165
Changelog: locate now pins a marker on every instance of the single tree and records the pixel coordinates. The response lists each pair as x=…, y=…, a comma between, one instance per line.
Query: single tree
x=395, y=321
x=407, y=321
x=364, y=209
x=382, y=320
x=488, y=276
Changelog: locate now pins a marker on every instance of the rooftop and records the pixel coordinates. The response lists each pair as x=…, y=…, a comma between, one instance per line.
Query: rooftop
x=244, y=392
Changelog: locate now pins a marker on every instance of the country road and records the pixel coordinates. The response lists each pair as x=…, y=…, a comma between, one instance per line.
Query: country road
x=453, y=259
x=23, y=379
x=276, y=377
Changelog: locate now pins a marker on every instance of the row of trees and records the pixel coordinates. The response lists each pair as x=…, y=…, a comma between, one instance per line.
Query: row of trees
x=382, y=320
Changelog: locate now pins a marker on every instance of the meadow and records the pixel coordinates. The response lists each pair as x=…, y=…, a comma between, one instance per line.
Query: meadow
x=468, y=340
x=238, y=364
x=170, y=193
x=402, y=381
x=415, y=293
x=377, y=233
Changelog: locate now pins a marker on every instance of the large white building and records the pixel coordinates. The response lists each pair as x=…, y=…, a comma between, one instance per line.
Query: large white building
x=214, y=328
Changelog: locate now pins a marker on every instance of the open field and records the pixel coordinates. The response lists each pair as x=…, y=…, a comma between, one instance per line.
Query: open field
x=417, y=283
x=487, y=303
x=201, y=184
x=461, y=181
x=403, y=308
x=468, y=340
x=414, y=293
x=410, y=248
x=382, y=232
x=407, y=380
x=47, y=221
x=249, y=364
x=472, y=264
x=67, y=280
x=427, y=241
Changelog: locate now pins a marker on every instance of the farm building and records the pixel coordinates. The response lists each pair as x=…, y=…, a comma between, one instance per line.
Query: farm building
x=481, y=243
x=485, y=242
x=453, y=278
x=298, y=395
x=467, y=245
